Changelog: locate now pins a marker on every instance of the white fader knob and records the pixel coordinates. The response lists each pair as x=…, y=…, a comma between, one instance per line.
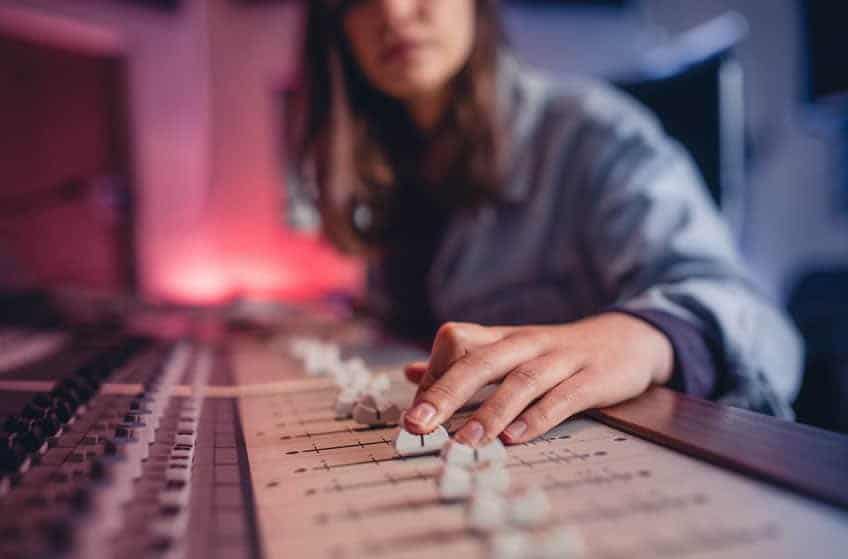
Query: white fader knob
x=390, y=413
x=410, y=444
x=510, y=545
x=373, y=409
x=365, y=411
x=454, y=452
x=321, y=359
x=489, y=476
x=352, y=375
x=454, y=483
x=358, y=374
x=529, y=508
x=457, y=453
x=494, y=452
x=560, y=543
x=345, y=403
x=487, y=511
x=379, y=384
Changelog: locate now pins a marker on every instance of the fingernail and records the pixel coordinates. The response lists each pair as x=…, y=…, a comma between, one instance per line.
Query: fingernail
x=421, y=414
x=471, y=433
x=516, y=429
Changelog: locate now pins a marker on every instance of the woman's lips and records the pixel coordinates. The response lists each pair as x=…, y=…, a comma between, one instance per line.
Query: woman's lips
x=401, y=51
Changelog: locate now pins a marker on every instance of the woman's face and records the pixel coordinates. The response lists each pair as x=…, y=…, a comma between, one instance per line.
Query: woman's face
x=410, y=48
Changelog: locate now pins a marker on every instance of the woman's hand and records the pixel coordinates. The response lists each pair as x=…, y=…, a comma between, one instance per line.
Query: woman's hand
x=546, y=374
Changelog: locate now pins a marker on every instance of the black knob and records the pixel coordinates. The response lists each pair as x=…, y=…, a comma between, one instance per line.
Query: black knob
x=69, y=395
x=77, y=389
x=31, y=411
x=50, y=424
x=15, y=424
x=64, y=410
x=12, y=453
x=133, y=419
x=31, y=440
x=42, y=400
x=38, y=428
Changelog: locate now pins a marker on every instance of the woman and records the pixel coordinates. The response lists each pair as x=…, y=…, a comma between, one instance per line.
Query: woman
x=564, y=244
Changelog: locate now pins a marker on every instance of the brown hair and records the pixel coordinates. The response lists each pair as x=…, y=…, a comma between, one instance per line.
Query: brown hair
x=358, y=145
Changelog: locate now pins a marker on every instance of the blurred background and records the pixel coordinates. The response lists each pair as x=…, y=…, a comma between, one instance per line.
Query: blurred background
x=142, y=145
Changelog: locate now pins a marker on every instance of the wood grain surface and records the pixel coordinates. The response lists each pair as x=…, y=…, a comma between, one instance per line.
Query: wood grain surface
x=805, y=459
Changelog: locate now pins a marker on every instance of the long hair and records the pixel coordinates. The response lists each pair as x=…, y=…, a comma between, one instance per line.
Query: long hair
x=357, y=146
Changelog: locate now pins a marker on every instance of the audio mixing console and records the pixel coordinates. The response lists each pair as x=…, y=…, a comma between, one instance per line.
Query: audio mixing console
x=285, y=443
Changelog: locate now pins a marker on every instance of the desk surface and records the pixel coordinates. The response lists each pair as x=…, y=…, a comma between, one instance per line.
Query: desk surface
x=805, y=459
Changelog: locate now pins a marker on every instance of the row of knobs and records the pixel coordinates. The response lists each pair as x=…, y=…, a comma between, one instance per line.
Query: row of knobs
x=44, y=417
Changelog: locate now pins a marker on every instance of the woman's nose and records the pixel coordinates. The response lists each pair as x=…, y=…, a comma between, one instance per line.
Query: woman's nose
x=398, y=12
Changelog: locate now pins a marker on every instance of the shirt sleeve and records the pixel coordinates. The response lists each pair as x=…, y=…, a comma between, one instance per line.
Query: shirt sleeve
x=657, y=244
x=695, y=362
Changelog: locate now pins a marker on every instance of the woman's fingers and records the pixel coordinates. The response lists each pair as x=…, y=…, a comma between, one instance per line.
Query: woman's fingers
x=415, y=371
x=579, y=392
x=453, y=341
x=589, y=387
x=433, y=405
x=563, y=369
x=524, y=384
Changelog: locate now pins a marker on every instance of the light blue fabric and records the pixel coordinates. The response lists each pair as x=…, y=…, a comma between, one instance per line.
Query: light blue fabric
x=601, y=209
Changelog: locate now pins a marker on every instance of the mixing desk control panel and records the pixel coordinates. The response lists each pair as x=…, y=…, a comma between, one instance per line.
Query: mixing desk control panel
x=286, y=443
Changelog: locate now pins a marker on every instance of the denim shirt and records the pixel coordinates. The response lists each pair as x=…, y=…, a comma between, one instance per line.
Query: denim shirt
x=601, y=210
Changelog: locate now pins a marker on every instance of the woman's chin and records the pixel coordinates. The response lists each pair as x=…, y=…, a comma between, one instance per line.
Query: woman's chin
x=410, y=84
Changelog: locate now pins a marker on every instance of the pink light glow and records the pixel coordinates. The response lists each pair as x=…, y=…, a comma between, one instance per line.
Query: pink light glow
x=197, y=283
x=288, y=267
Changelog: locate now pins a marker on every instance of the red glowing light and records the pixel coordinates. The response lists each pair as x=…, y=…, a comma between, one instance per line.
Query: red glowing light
x=294, y=267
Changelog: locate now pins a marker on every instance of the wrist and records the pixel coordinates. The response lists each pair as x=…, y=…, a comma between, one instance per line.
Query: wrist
x=653, y=345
